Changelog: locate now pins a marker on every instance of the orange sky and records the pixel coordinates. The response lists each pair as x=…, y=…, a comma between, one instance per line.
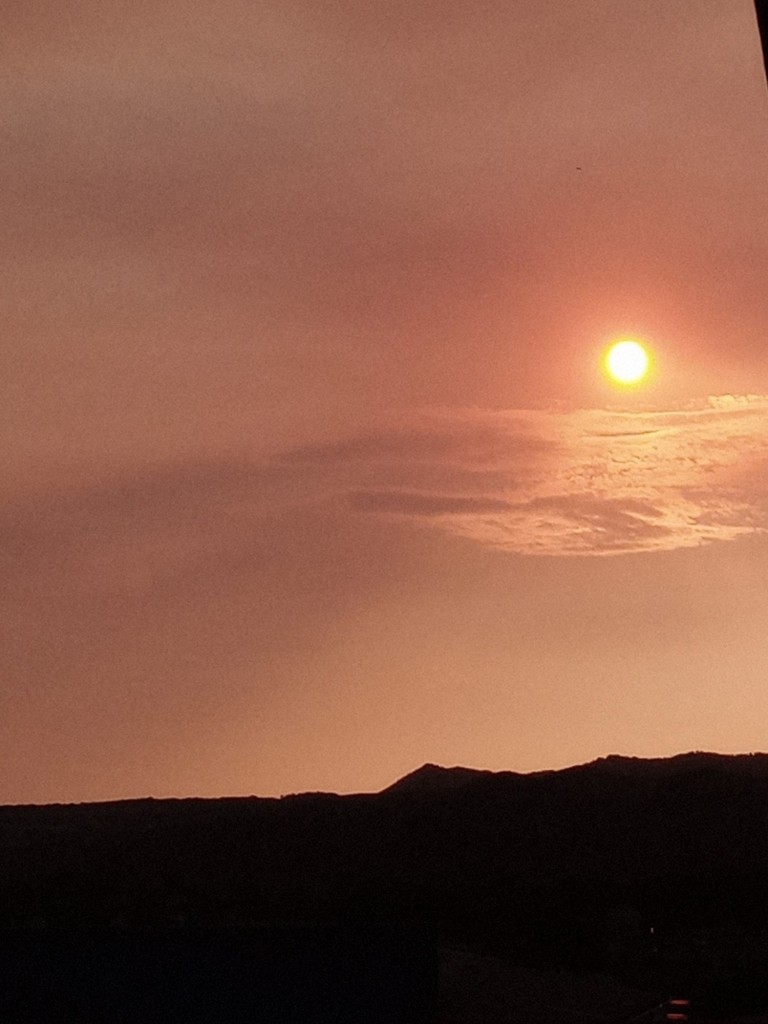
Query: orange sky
x=309, y=472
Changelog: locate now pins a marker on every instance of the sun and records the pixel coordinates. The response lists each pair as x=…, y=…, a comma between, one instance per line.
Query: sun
x=626, y=362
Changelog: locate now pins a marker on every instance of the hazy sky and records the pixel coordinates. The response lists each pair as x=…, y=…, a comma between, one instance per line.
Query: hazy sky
x=309, y=471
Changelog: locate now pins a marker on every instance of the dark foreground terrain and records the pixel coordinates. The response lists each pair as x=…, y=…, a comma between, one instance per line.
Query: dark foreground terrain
x=588, y=894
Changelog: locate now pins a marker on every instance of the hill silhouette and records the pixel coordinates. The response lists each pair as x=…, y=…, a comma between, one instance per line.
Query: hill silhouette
x=652, y=872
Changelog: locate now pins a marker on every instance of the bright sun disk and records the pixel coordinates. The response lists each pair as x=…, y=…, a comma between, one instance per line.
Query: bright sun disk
x=626, y=362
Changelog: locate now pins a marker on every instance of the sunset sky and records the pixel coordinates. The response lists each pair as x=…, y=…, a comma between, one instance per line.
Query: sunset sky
x=310, y=472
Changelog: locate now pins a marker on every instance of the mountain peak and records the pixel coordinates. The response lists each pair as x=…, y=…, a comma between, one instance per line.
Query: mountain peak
x=432, y=777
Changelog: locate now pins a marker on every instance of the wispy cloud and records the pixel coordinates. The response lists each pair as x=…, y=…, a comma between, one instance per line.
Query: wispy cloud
x=584, y=482
x=404, y=503
x=556, y=483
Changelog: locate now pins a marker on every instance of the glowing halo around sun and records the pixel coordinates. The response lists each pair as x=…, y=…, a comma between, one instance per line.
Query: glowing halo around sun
x=626, y=362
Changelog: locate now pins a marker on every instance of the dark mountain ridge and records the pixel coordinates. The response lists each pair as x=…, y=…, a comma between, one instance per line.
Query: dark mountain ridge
x=647, y=869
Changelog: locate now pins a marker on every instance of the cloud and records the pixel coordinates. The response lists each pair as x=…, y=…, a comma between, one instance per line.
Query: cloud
x=400, y=503
x=458, y=437
x=583, y=482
